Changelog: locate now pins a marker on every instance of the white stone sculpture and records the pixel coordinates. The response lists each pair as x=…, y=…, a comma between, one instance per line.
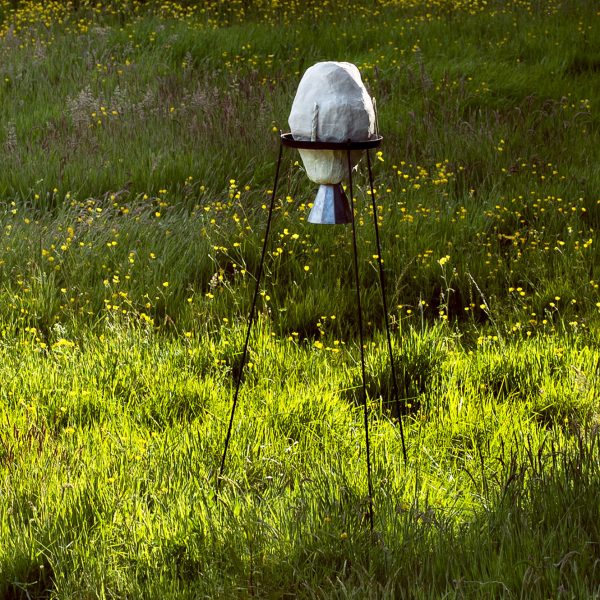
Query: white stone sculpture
x=331, y=105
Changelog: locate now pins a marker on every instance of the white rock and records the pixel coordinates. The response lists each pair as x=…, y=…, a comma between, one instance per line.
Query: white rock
x=331, y=105
x=344, y=107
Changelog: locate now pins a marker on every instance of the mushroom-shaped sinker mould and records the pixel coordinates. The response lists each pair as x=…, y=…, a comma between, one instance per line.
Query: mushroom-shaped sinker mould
x=331, y=105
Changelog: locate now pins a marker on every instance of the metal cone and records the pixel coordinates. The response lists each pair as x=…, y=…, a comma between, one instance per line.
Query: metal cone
x=331, y=206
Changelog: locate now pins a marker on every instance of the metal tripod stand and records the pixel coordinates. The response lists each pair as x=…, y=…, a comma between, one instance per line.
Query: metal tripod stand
x=286, y=140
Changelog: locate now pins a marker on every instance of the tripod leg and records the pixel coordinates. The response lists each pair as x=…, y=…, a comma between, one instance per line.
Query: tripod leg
x=362, y=345
x=250, y=323
x=385, y=308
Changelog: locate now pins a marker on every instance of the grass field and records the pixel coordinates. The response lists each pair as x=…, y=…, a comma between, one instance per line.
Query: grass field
x=138, y=143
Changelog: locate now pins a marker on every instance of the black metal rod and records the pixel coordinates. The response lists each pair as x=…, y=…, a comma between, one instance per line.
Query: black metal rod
x=250, y=320
x=385, y=308
x=362, y=344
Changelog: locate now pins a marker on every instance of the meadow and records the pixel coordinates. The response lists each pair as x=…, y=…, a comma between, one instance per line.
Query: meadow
x=138, y=145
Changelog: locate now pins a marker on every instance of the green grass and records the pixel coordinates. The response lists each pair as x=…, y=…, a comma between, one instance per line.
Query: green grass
x=138, y=148
x=113, y=447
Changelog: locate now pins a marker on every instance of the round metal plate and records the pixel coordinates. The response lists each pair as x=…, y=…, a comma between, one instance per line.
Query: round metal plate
x=287, y=139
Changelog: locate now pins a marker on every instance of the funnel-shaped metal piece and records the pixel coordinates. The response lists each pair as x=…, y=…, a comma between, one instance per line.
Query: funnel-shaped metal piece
x=331, y=206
